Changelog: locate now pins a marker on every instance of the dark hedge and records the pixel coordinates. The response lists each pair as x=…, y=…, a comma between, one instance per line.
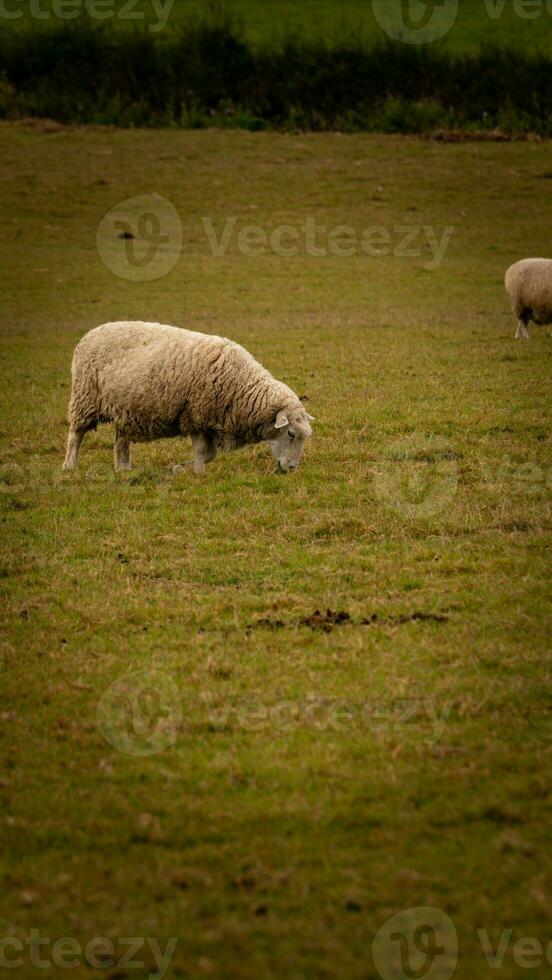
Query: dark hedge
x=205, y=74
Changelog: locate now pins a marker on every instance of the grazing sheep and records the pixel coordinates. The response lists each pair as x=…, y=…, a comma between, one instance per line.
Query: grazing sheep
x=529, y=286
x=154, y=381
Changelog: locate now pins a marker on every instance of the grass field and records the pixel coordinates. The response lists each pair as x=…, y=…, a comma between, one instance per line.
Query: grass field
x=314, y=774
x=517, y=22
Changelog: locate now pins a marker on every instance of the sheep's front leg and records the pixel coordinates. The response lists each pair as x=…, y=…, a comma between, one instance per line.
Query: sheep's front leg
x=522, y=332
x=205, y=450
x=74, y=440
x=122, y=452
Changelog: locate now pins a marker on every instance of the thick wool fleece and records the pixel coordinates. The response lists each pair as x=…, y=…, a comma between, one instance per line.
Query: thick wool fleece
x=154, y=380
x=529, y=286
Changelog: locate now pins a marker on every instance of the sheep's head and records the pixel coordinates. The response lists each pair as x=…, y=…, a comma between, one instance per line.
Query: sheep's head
x=289, y=432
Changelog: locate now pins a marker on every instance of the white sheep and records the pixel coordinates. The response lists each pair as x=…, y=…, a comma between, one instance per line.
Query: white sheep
x=529, y=286
x=155, y=381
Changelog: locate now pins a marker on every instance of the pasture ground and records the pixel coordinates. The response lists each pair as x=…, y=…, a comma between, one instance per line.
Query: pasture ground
x=325, y=772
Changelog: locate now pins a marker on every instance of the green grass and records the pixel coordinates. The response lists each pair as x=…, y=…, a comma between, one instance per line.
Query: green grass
x=281, y=851
x=490, y=21
x=334, y=18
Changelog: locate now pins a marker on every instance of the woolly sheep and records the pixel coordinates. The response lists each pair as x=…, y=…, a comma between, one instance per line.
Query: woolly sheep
x=529, y=286
x=154, y=381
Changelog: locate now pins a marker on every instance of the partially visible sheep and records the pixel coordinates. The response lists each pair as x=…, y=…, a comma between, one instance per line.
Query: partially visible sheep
x=155, y=381
x=529, y=286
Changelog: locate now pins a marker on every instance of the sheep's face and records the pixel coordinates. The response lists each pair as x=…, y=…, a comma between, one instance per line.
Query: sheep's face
x=291, y=431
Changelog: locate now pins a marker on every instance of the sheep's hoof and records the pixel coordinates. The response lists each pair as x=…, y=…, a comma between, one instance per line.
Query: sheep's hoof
x=182, y=467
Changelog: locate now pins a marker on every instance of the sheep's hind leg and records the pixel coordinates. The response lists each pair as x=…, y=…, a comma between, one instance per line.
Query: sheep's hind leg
x=122, y=452
x=74, y=440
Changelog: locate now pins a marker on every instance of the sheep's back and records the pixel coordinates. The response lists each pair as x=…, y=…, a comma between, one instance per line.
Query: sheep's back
x=529, y=284
x=145, y=373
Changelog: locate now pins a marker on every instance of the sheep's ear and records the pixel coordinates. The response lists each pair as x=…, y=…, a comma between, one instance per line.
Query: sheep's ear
x=311, y=418
x=281, y=420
